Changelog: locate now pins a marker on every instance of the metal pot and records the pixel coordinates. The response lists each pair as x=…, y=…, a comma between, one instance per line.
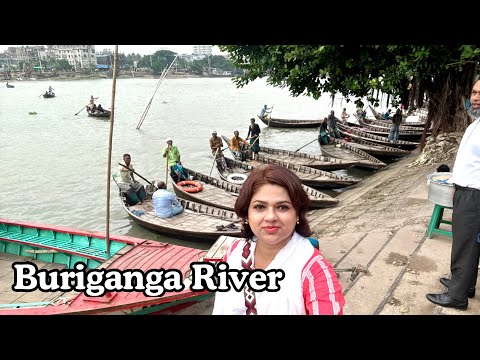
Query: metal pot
x=439, y=191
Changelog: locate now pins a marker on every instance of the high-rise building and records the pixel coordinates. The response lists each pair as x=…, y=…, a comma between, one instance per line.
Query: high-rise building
x=202, y=51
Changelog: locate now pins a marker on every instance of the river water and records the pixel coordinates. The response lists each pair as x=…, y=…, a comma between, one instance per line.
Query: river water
x=55, y=162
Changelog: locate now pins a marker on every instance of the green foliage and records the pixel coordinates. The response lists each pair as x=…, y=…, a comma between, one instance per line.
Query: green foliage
x=351, y=70
x=157, y=61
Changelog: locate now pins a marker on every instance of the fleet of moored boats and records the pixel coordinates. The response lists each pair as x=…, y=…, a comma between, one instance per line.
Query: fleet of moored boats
x=208, y=216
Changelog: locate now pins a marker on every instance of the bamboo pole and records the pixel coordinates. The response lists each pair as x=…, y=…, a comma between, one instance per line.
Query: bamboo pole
x=166, y=172
x=162, y=76
x=214, y=159
x=110, y=141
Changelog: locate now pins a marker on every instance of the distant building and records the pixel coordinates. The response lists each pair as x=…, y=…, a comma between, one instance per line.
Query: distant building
x=201, y=51
x=79, y=56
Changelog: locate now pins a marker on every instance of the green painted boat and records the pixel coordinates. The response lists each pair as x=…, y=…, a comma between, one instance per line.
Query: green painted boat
x=42, y=247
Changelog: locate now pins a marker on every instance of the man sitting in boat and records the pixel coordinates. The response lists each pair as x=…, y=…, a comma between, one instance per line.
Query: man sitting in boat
x=133, y=190
x=221, y=163
x=239, y=147
x=166, y=204
x=100, y=108
x=177, y=172
x=387, y=114
x=216, y=143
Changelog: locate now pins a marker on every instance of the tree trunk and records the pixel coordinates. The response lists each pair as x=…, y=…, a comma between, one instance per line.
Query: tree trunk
x=446, y=105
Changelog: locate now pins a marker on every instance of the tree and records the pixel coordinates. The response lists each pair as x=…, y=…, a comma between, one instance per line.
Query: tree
x=444, y=73
x=157, y=61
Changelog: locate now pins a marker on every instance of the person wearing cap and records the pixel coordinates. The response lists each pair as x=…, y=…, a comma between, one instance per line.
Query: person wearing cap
x=216, y=143
x=171, y=152
x=238, y=148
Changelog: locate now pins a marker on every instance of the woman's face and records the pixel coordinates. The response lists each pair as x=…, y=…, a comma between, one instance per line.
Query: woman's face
x=271, y=215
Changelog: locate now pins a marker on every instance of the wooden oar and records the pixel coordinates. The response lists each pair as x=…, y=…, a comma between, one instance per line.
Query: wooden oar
x=270, y=117
x=80, y=110
x=305, y=145
x=214, y=159
x=151, y=183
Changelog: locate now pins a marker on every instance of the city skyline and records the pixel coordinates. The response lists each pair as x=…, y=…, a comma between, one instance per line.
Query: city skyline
x=138, y=49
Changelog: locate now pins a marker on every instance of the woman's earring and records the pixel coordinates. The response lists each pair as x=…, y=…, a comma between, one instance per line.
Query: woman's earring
x=246, y=221
x=298, y=222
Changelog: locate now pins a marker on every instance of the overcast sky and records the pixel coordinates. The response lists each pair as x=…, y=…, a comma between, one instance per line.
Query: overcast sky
x=141, y=49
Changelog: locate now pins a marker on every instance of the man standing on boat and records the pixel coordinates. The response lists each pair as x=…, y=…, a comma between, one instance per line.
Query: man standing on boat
x=395, y=128
x=171, y=152
x=344, y=116
x=91, y=104
x=332, y=125
x=254, y=136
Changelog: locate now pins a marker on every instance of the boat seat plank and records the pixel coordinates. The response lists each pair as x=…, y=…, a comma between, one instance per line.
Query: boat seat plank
x=56, y=244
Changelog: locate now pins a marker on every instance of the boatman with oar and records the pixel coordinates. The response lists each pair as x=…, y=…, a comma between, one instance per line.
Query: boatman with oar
x=134, y=191
x=171, y=152
x=254, y=136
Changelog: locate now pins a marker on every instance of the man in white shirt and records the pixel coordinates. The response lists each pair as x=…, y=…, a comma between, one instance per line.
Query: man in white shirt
x=265, y=111
x=465, y=219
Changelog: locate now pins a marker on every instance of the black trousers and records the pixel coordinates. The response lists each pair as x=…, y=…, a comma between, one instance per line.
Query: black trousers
x=465, y=248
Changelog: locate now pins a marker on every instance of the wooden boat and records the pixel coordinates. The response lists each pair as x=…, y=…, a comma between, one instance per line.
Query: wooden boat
x=386, y=124
x=48, y=95
x=214, y=192
x=55, y=247
x=309, y=176
x=298, y=158
x=290, y=123
x=9, y=86
x=354, y=132
x=385, y=131
x=379, y=116
x=373, y=148
x=198, y=222
x=344, y=150
x=318, y=199
x=105, y=113
x=316, y=161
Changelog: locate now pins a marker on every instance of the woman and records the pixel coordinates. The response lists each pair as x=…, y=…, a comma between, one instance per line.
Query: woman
x=272, y=205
